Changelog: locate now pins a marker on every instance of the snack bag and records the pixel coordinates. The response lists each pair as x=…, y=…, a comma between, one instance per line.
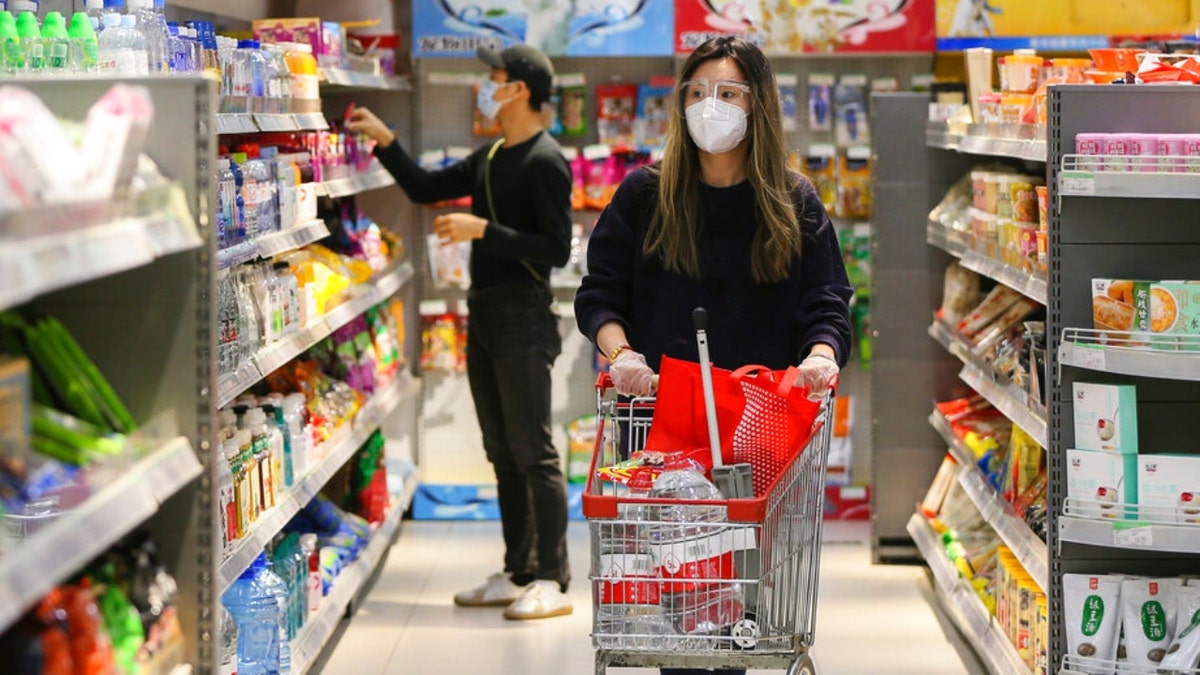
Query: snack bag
x=854, y=184
x=616, y=106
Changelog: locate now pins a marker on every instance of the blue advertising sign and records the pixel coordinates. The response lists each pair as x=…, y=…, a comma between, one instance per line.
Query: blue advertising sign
x=557, y=27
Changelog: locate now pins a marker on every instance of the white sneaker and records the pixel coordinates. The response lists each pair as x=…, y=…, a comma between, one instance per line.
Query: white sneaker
x=542, y=599
x=497, y=591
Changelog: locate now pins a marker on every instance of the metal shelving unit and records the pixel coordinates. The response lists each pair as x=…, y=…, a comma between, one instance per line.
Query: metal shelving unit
x=1027, y=546
x=57, y=551
x=338, y=449
x=46, y=249
x=376, y=178
x=349, y=79
x=963, y=606
x=1130, y=177
x=252, y=123
x=1102, y=226
x=302, y=234
x=383, y=286
x=1015, y=141
x=1030, y=285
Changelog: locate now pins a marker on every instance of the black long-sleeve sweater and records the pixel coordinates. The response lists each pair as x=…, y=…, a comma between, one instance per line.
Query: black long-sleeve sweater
x=531, y=188
x=774, y=324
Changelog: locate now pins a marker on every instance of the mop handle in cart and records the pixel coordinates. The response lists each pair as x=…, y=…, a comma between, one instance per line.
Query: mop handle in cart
x=700, y=322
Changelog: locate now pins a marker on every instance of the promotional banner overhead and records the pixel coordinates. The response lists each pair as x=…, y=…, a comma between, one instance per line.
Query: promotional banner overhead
x=796, y=26
x=557, y=27
x=1061, y=25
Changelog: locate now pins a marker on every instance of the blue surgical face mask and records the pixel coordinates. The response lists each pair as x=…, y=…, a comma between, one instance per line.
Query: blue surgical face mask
x=486, y=101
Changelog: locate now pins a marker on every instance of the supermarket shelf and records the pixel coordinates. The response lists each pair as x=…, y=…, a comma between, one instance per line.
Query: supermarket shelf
x=1030, y=550
x=1029, y=285
x=1019, y=141
x=344, y=187
x=1141, y=528
x=962, y=454
x=963, y=606
x=939, y=135
x=302, y=234
x=1079, y=665
x=1136, y=177
x=250, y=123
x=38, y=564
x=1008, y=399
x=336, y=77
x=267, y=361
x=1027, y=546
x=320, y=628
x=338, y=449
x=944, y=336
x=1170, y=357
x=44, y=250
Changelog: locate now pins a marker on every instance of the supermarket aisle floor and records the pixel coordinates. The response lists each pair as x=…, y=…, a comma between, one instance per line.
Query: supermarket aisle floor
x=871, y=619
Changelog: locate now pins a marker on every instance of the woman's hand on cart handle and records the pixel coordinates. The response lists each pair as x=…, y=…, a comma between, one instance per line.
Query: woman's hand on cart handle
x=631, y=376
x=818, y=372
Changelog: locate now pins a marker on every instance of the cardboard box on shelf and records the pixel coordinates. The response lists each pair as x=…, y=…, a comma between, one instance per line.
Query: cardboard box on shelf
x=1101, y=480
x=1169, y=487
x=1106, y=417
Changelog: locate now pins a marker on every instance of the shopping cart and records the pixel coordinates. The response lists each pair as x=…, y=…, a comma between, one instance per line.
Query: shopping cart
x=735, y=586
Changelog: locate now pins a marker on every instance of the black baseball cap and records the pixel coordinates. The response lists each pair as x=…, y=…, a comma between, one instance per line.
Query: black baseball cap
x=524, y=63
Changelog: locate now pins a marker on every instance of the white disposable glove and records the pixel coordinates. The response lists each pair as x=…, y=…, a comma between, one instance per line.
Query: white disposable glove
x=818, y=373
x=630, y=374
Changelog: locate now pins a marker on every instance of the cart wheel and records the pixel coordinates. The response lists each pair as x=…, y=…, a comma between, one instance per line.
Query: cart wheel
x=803, y=666
x=745, y=633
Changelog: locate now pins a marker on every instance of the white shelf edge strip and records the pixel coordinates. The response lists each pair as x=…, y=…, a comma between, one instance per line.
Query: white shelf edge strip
x=1078, y=665
x=1137, y=527
x=352, y=185
x=249, y=123
x=963, y=606
x=1174, y=357
x=1031, y=552
x=1143, y=176
x=268, y=360
x=1031, y=286
x=58, y=551
x=87, y=254
x=320, y=626
x=1006, y=402
x=297, y=236
x=957, y=448
x=340, y=447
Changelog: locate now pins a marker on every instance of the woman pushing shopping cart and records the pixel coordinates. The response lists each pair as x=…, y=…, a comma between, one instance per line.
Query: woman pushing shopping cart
x=722, y=223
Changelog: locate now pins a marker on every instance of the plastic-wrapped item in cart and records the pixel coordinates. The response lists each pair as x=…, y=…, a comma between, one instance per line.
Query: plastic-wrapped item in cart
x=692, y=545
x=628, y=610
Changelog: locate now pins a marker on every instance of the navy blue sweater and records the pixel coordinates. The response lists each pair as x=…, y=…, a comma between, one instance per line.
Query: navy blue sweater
x=773, y=325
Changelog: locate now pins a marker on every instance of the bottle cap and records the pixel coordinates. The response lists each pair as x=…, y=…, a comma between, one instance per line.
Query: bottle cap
x=27, y=25
x=94, y=4
x=128, y=21
x=111, y=20
x=54, y=26
x=81, y=26
x=8, y=25
x=254, y=417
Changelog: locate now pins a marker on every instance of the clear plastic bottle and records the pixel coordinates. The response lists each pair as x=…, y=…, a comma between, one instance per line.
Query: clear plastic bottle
x=269, y=215
x=177, y=52
x=294, y=406
x=33, y=48
x=227, y=189
x=314, y=589
x=249, y=335
x=291, y=297
x=94, y=10
x=226, y=503
x=57, y=44
x=227, y=654
x=12, y=56
x=273, y=405
x=229, y=348
x=113, y=51
x=271, y=580
x=287, y=175
x=85, y=47
x=255, y=421
x=700, y=595
x=280, y=467
x=137, y=45
x=195, y=50
x=257, y=613
x=152, y=26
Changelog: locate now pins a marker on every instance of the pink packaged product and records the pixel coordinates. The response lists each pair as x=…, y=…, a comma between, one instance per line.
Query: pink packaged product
x=38, y=165
x=1116, y=149
x=114, y=136
x=1089, y=145
x=304, y=30
x=1170, y=149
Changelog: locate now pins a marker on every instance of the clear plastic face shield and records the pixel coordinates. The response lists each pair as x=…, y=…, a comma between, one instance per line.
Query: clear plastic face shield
x=712, y=92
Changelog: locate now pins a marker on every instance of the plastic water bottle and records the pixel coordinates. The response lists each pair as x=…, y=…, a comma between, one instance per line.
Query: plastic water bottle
x=248, y=333
x=56, y=43
x=32, y=46
x=226, y=204
x=229, y=357
x=257, y=615
x=227, y=656
x=293, y=413
x=314, y=589
x=12, y=57
x=153, y=28
x=693, y=547
x=271, y=580
x=85, y=48
x=94, y=11
x=177, y=52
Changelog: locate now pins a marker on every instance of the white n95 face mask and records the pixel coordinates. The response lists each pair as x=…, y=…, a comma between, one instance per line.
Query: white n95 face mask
x=716, y=126
x=485, y=100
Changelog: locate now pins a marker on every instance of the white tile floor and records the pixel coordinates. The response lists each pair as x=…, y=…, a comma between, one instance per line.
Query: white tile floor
x=871, y=619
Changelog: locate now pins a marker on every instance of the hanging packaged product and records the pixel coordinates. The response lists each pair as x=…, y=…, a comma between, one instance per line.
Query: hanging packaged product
x=820, y=102
x=852, y=126
x=572, y=113
x=439, y=337
x=854, y=183
x=820, y=167
x=616, y=108
x=788, y=100
x=654, y=111
x=598, y=161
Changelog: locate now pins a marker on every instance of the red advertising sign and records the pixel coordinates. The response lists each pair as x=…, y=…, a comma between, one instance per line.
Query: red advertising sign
x=798, y=26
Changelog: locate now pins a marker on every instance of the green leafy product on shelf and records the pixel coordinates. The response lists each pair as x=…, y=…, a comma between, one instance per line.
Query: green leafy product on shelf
x=69, y=439
x=112, y=406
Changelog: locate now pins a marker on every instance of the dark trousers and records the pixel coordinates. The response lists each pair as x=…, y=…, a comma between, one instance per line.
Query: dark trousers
x=512, y=343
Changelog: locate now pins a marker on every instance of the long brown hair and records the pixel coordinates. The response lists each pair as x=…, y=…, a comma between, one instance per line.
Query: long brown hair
x=677, y=219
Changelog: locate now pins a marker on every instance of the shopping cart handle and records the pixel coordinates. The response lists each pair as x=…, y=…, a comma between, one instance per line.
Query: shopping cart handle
x=603, y=382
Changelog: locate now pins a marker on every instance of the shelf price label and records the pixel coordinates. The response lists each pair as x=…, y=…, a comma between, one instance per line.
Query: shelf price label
x=1082, y=184
x=1133, y=534
x=1090, y=357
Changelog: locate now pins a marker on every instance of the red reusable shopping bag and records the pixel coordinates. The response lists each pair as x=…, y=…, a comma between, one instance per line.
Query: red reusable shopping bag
x=776, y=422
x=763, y=419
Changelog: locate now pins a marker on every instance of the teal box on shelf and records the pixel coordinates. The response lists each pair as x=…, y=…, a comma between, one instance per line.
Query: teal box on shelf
x=474, y=502
x=1106, y=417
x=1099, y=482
